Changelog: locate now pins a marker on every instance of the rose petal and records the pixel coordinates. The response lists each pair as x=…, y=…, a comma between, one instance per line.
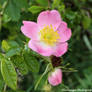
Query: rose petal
x=40, y=48
x=49, y=18
x=30, y=29
x=60, y=49
x=64, y=32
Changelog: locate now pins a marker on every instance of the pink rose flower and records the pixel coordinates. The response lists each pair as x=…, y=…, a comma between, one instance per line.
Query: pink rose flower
x=49, y=35
x=55, y=78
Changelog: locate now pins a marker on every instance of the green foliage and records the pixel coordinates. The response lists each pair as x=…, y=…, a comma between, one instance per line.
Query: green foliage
x=1, y=83
x=61, y=88
x=31, y=62
x=86, y=81
x=9, y=73
x=36, y=9
x=14, y=7
x=5, y=45
x=13, y=51
x=88, y=44
x=11, y=48
x=86, y=22
x=43, y=3
x=55, y=4
x=19, y=63
x=1, y=57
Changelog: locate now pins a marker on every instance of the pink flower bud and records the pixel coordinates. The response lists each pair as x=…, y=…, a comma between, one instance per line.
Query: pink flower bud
x=55, y=78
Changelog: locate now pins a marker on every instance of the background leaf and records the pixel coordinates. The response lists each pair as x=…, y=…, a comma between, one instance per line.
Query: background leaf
x=43, y=3
x=31, y=62
x=14, y=7
x=19, y=63
x=9, y=73
x=13, y=51
x=35, y=9
x=12, y=10
x=5, y=45
x=86, y=22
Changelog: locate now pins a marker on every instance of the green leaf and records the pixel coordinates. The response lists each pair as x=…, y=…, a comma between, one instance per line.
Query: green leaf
x=36, y=9
x=31, y=62
x=5, y=45
x=61, y=8
x=87, y=42
x=60, y=88
x=13, y=44
x=86, y=22
x=1, y=57
x=19, y=62
x=43, y=3
x=6, y=18
x=14, y=7
x=21, y=4
x=1, y=83
x=9, y=73
x=12, y=10
x=55, y=3
x=13, y=51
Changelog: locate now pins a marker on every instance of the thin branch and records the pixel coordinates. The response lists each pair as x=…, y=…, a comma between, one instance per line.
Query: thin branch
x=48, y=3
x=47, y=69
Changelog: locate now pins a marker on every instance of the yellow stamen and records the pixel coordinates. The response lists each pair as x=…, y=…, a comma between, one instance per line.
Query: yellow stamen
x=48, y=35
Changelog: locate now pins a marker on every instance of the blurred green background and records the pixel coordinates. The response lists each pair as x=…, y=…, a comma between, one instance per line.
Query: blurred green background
x=78, y=15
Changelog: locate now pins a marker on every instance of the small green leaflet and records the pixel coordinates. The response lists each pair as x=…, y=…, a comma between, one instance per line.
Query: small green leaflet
x=9, y=73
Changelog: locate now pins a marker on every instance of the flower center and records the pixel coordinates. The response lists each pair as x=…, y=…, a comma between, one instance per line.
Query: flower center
x=48, y=35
